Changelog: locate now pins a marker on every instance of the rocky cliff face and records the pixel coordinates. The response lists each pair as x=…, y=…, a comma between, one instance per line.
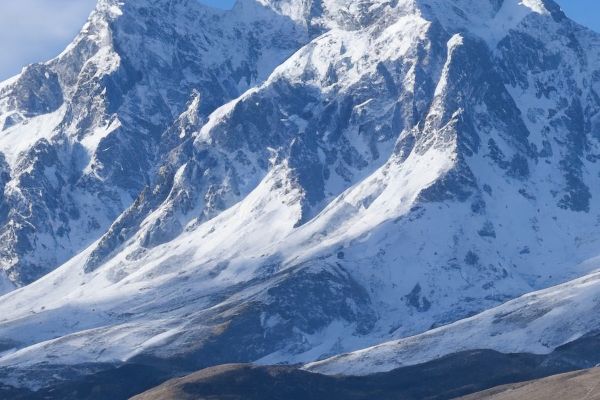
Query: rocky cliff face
x=83, y=133
x=292, y=179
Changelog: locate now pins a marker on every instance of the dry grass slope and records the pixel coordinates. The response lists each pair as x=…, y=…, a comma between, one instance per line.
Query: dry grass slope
x=580, y=385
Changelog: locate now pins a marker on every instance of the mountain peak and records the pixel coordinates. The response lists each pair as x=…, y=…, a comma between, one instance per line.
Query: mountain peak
x=290, y=179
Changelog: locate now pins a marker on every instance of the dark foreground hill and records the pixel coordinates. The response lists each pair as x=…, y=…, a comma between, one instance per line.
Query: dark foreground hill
x=577, y=385
x=445, y=378
x=449, y=377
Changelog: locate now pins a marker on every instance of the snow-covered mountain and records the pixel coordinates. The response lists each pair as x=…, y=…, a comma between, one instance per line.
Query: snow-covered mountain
x=538, y=323
x=83, y=134
x=291, y=179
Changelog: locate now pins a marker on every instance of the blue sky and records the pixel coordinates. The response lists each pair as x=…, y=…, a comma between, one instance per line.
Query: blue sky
x=219, y=3
x=45, y=27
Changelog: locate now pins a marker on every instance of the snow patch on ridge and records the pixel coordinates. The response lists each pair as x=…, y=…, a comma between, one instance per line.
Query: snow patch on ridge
x=538, y=323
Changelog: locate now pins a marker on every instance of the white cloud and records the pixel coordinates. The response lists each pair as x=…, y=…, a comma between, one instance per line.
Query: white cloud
x=37, y=30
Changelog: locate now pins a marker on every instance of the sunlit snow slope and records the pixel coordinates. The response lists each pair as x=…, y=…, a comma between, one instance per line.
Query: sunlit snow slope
x=292, y=179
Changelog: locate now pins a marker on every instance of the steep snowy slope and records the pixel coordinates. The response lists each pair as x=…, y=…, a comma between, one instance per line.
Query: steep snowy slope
x=414, y=162
x=538, y=323
x=82, y=133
